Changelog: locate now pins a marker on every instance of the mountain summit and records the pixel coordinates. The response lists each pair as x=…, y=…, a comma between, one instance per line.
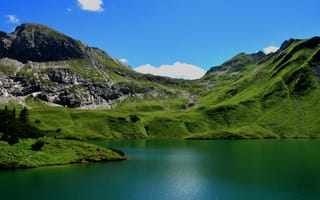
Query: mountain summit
x=35, y=42
x=39, y=61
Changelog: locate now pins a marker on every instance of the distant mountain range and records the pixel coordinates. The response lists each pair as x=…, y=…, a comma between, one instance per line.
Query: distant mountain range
x=249, y=96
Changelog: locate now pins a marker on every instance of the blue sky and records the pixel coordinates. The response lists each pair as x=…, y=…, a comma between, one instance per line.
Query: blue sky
x=148, y=33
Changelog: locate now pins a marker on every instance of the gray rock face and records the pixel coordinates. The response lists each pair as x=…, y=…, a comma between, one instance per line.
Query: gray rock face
x=65, y=76
x=63, y=87
x=39, y=61
x=34, y=42
x=25, y=86
x=25, y=69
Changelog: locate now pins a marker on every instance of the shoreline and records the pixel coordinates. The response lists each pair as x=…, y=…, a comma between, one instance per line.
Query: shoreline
x=56, y=152
x=61, y=165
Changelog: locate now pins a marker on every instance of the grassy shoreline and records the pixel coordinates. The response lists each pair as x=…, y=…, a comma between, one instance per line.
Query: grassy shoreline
x=54, y=153
x=61, y=152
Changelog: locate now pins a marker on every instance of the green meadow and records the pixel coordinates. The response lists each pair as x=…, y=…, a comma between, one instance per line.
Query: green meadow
x=278, y=97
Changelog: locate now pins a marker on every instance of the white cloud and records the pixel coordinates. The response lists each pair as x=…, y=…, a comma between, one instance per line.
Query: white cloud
x=123, y=60
x=69, y=9
x=91, y=5
x=177, y=70
x=12, y=19
x=270, y=49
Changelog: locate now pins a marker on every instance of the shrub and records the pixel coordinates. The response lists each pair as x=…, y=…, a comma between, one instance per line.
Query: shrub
x=24, y=115
x=37, y=146
x=122, y=118
x=134, y=118
x=10, y=139
x=121, y=153
x=13, y=140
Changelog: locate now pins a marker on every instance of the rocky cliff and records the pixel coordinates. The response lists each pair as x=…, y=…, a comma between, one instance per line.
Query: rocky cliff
x=35, y=42
x=39, y=61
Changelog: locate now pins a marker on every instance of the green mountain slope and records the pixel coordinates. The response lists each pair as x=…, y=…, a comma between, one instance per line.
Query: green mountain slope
x=274, y=98
x=249, y=96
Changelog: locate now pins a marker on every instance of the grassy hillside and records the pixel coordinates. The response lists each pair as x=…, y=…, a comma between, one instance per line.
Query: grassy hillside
x=266, y=96
x=24, y=146
x=276, y=98
x=54, y=152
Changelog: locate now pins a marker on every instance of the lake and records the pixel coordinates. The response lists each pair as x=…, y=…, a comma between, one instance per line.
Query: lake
x=178, y=169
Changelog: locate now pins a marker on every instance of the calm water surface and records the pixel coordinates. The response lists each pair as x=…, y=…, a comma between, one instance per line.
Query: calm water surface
x=171, y=169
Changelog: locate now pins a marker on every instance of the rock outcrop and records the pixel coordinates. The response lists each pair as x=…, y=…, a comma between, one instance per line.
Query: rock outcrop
x=38, y=61
x=63, y=86
x=34, y=42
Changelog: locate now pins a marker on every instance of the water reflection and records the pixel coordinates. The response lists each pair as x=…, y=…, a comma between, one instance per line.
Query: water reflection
x=163, y=170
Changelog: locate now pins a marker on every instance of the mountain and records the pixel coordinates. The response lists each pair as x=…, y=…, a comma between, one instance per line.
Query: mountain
x=249, y=96
x=277, y=96
x=237, y=64
x=39, y=61
x=35, y=42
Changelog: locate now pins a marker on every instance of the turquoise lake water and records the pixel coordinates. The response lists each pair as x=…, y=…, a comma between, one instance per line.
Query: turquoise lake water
x=177, y=169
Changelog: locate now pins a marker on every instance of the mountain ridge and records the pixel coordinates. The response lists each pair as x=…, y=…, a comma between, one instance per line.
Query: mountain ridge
x=35, y=42
x=249, y=96
x=45, y=63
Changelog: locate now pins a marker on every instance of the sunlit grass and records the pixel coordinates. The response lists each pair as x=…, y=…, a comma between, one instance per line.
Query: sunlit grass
x=54, y=152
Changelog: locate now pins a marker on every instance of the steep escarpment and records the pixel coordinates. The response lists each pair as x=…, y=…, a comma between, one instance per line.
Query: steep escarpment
x=46, y=64
x=35, y=42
